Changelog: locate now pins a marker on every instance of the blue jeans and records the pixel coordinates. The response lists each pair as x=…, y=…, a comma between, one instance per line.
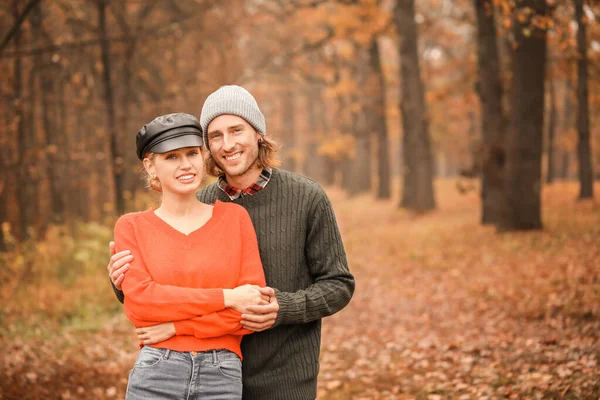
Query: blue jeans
x=169, y=374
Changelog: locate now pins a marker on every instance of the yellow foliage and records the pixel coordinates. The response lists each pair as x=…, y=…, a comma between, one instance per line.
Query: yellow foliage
x=45, y=284
x=338, y=147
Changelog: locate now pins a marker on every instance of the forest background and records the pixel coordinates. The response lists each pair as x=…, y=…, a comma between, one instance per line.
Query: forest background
x=459, y=141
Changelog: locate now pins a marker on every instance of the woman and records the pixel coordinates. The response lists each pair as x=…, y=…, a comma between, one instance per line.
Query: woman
x=196, y=267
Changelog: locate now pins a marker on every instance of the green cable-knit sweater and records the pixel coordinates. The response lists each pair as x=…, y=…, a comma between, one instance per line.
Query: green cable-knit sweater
x=304, y=261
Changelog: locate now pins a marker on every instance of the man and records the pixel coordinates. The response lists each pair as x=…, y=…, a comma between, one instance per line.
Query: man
x=300, y=247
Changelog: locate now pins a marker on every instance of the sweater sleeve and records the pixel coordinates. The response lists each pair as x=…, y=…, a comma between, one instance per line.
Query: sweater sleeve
x=333, y=285
x=217, y=324
x=251, y=270
x=146, y=300
x=119, y=293
x=227, y=322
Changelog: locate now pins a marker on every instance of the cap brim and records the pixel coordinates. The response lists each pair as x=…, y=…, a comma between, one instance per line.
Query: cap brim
x=191, y=140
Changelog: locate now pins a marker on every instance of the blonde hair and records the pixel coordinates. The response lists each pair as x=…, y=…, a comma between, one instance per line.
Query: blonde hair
x=267, y=157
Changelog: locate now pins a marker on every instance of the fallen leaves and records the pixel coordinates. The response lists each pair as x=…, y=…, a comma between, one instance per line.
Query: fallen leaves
x=444, y=309
x=454, y=310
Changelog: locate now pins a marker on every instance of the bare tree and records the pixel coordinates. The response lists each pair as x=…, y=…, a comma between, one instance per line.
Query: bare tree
x=113, y=152
x=417, y=191
x=551, y=128
x=525, y=137
x=20, y=18
x=584, y=152
x=493, y=121
x=377, y=121
x=359, y=166
x=24, y=140
x=313, y=162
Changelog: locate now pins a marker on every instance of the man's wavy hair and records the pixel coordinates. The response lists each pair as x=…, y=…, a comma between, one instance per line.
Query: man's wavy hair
x=267, y=157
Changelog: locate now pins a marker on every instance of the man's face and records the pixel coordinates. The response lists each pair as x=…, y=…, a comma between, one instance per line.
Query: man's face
x=233, y=143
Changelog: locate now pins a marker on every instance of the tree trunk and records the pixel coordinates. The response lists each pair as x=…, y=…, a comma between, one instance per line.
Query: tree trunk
x=346, y=166
x=71, y=183
x=566, y=126
x=493, y=122
x=417, y=193
x=87, y=206
x=313, y=162
x=33, y=169
x=342, y=158
x=6, y=173
x=43, y=168
x=525, y=138
x=288, y=130
x=23, y=140
x=329, y=172
x=565, y=164
x=377, y=120
x=55, y=147
x=112, y=151
x=550, y=173
x=131, y=180
x=357, y=166
x=584, y=152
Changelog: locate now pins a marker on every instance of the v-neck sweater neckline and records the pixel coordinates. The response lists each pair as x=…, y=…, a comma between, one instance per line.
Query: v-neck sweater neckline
x=164, y=227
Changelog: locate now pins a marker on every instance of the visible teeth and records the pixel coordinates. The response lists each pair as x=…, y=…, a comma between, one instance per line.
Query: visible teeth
x=233, y=157
x=184, y=177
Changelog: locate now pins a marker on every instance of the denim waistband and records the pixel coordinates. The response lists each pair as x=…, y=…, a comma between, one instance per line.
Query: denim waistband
x=214, y=354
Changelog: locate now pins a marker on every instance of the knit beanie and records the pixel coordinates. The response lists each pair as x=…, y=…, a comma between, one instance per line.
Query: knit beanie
x=231, y=100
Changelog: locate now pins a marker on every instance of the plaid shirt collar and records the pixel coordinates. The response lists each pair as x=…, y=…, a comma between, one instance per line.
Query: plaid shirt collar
x=235, y=193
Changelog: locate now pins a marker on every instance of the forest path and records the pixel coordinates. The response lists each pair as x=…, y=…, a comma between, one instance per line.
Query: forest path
x=444, y=308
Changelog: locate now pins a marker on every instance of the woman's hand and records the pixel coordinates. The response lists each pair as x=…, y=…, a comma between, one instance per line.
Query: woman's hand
x=243, y=296
x=155, y=333
x=118, y=265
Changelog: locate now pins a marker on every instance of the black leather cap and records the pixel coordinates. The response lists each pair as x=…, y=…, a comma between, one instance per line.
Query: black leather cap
x=168, y=132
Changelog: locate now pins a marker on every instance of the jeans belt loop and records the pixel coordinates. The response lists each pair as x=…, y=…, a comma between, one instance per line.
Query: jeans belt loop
x=214, y=352
x=167, y=353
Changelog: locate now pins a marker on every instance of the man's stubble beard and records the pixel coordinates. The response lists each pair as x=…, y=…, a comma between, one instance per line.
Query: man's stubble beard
x=250, y=165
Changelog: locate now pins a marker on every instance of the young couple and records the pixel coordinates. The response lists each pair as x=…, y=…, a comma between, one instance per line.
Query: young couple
x=200, y=288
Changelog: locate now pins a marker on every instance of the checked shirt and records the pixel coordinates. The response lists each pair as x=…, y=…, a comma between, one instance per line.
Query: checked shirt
x=235, y=193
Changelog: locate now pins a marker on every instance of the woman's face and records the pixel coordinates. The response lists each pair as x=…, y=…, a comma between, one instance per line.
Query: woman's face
x=179, y=171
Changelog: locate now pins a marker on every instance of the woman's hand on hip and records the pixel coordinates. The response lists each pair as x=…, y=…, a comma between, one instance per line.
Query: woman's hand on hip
x=155, y=333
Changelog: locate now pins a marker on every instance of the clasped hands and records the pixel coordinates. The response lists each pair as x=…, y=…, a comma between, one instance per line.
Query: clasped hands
x=258, y=306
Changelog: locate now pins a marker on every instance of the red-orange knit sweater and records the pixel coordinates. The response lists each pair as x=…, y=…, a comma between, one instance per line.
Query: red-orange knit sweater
x=177, y=277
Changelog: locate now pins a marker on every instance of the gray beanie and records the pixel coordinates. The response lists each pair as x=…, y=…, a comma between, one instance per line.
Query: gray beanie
x=231, y=100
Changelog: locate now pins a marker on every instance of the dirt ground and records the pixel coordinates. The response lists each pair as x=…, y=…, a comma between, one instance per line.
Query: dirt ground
x=444, y=309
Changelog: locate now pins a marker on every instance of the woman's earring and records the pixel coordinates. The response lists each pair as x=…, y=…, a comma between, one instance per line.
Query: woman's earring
x=155, y=183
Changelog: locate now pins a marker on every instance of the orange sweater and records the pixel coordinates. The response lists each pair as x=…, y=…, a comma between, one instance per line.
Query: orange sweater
x=177, y=277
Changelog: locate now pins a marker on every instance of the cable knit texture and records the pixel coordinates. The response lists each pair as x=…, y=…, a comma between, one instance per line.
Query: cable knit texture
x=304, y=259
x=178, y=277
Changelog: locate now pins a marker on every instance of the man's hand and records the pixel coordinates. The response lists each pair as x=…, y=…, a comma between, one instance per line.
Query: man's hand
x=118, y=265
x=261, y=317
x=243, y=296
x=155, y=333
